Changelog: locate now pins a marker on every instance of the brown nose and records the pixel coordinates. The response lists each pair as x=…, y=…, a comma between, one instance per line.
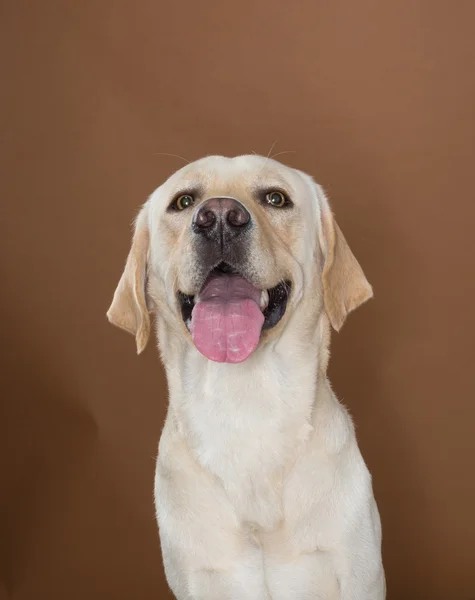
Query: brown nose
x=226, y=214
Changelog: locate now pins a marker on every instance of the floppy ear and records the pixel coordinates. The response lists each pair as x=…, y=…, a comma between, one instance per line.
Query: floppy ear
x=345, y=286
x=129, y=306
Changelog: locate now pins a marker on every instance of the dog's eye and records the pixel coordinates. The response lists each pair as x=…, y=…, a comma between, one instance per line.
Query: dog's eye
x=184, y=201
x=276, y=199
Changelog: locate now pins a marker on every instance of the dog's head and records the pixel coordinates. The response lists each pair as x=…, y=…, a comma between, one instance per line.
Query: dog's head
x=225, y=251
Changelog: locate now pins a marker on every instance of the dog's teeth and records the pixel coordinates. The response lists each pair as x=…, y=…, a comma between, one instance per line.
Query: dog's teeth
x=196, y=299
x=264, y=301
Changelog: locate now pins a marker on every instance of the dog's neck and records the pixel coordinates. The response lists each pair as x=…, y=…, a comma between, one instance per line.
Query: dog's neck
x=281, y=376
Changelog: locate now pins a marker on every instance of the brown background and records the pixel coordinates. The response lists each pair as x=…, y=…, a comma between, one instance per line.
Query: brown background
x=376, y=99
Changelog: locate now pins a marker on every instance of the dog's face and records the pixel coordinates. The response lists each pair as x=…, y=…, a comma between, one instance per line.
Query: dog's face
x=226, y=249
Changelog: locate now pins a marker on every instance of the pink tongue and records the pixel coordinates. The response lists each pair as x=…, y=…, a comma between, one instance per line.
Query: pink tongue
x=226, y=323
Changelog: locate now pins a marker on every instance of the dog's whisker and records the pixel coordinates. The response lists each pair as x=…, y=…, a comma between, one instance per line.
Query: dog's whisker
x=283, y=152
x=169, y=154
x=285, y=285
x=268, y=155
x=271, y=148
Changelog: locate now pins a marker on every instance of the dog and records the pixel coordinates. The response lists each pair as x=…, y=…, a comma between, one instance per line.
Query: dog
x=261, y=492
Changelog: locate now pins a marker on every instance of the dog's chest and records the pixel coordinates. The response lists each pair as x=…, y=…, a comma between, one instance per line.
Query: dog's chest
x=247, y=438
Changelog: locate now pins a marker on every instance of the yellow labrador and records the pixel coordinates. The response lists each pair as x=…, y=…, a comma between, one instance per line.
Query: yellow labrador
x=261, y=491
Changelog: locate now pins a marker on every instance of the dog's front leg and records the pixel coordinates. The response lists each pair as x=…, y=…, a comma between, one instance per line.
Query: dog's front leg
x=207, y=554
x=237, y=576
x=243, y=581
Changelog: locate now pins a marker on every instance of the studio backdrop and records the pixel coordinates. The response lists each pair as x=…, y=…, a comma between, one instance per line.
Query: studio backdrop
x=374, y=99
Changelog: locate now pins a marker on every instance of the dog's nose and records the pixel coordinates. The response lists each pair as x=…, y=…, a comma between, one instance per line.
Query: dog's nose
x=226, y=214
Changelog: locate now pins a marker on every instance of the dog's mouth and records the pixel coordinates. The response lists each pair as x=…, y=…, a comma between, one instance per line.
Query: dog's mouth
x=228, y=315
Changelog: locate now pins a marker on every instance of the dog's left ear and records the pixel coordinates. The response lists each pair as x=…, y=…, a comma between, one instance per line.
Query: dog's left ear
x=345, y=286
x=129, y=306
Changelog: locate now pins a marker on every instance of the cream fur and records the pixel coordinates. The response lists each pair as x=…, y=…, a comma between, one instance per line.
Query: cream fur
x=261, y=491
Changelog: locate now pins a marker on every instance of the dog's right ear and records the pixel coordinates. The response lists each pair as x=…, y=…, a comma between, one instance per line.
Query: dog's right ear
x=129, y=306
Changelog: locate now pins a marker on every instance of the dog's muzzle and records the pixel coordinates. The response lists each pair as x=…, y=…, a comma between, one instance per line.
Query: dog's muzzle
x=228, y=313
